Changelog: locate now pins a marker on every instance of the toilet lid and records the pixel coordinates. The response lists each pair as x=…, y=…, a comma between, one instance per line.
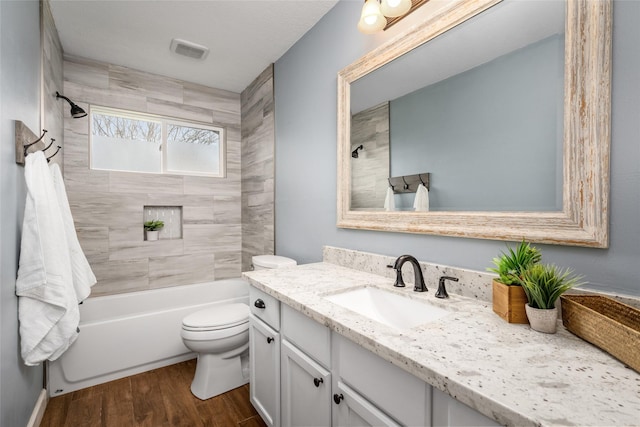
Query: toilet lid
x=219, y=317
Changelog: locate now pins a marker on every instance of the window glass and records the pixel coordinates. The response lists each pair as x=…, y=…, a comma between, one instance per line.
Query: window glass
x=193, y=149
x=136, y=142
x=126, y=144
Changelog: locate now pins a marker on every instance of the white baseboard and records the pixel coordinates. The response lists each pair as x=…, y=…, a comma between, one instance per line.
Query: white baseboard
x=38, y=410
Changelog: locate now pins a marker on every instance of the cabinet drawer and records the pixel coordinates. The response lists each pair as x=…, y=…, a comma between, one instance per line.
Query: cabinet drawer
x=307, y=334
x=401, y=395
x=265, y=307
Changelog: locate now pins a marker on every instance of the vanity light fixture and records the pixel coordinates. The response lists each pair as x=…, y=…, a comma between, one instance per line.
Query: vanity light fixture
x=371, y=20
x=395, y=8
x=378, y=15
x=76, y=112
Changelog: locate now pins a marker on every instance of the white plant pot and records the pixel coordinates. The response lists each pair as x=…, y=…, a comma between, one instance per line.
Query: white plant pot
x=152, y=234
x=542, y=320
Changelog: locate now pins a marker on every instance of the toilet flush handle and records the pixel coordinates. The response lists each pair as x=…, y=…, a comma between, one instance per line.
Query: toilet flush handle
x=259, y=303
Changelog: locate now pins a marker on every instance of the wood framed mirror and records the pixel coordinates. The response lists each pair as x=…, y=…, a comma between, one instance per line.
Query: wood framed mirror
x=581, y=217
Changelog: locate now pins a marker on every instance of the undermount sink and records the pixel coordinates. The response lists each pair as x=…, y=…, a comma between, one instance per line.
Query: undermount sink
x=387, y=307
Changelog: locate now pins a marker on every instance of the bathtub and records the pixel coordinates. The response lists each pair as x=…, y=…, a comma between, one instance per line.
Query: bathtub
x=125, y=334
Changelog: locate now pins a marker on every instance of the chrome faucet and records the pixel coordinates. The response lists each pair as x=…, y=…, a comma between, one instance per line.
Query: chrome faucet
x=418, y=281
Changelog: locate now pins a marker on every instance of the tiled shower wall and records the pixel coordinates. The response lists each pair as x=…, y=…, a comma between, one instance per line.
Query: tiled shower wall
x=52, y=82
x=108, y=206
x=258, y=145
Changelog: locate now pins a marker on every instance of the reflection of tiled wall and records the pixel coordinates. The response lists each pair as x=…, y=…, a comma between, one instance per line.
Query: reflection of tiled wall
x=258, y=145
x=369, y=172
x=108, y=206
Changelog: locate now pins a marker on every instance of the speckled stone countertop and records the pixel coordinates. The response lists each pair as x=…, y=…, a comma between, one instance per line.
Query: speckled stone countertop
x=507, y=372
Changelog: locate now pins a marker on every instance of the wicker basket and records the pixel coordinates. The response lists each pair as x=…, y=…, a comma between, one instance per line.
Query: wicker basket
x=606, y=323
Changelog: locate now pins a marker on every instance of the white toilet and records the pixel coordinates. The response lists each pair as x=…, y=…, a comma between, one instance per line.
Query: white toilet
x=220, y=336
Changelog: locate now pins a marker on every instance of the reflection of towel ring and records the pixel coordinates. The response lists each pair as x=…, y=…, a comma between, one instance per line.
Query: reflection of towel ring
x=390, y=184
x=406, y=186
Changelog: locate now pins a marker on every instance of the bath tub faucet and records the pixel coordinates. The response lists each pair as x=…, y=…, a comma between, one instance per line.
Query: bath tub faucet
x=418, y=280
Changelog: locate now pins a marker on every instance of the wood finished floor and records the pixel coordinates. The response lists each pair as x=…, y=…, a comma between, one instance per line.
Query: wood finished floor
x=158, y=398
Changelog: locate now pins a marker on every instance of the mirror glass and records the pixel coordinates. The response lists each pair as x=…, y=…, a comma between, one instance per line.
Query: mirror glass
x=507, y=111
x=479, y=108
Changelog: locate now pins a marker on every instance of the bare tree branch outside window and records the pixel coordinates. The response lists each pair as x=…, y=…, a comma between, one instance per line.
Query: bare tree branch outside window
x=126, y=129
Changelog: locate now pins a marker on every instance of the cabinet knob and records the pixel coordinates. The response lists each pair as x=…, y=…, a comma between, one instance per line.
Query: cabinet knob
x=318, y=381
x=269, y=340
x=337, y=398
x=259, y=303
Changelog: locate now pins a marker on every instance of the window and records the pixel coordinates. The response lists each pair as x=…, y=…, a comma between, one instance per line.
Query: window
x=136, y=142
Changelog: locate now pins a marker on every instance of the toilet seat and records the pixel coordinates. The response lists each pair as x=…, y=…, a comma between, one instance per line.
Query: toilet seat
x=217, y=318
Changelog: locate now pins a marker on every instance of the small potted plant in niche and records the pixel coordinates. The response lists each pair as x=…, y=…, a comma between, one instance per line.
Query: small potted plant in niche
x=543, y=285
x=152, y=228
x=509, y=299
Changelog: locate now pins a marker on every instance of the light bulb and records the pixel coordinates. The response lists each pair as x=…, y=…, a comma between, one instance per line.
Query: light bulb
x=371, y=20
x=395, y=8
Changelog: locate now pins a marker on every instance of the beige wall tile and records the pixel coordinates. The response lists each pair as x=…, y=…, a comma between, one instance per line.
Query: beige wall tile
x=228, y=265
x=108, y=206
x=130, y=182
x=181, y=270
x=128, y=244
x=116, y=277
x=94, y=242
x=205, y=238
x=257, y=167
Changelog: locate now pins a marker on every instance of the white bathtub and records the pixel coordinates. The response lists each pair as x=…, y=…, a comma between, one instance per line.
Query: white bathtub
x=125, y=334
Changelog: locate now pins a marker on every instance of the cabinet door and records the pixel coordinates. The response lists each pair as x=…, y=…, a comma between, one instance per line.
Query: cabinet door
x=306, y=389
x=264, y=357
x=353, y=410
x=449, y=412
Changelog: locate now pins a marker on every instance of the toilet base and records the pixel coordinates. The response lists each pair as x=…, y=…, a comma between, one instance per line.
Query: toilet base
x=215, y=375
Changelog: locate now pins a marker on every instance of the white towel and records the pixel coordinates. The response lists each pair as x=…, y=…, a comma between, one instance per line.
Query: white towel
x=47, y=304
x=83, y=277
x=421, y=202
x=389, y=200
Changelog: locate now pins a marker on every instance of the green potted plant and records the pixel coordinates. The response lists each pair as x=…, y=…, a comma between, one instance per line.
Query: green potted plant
x=543, y=285
x=152, y=228
x=509, y=299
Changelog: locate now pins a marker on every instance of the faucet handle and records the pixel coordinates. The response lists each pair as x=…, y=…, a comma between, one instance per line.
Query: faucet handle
x=442, y=291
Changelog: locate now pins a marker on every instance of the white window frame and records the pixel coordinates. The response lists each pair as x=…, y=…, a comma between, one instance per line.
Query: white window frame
x=164, y=121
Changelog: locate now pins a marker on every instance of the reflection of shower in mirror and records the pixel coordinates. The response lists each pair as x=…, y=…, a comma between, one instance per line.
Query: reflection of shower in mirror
x=354, y=153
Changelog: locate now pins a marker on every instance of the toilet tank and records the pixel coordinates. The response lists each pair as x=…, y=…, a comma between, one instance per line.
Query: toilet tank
x=264, y=262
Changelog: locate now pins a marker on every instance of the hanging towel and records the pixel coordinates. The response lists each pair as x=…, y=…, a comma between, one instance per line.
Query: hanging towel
x=389, y=200
x=83, y=277
x=421, y=202
x=47, y=304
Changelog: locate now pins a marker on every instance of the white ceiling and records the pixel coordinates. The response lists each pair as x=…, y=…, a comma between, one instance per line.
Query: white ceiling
x=243, y=36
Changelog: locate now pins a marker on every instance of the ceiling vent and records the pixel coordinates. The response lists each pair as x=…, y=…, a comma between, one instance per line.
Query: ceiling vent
x=189, y=49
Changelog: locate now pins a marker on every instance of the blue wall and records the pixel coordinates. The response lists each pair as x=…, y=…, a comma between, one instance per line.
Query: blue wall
x=19, y=100
x=305, y=93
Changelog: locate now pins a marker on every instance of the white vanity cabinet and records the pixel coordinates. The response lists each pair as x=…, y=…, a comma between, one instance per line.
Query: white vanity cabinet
x=371, y=391
x=448, y=411
x=264, y=356
x=303, y=374
x=305, y=371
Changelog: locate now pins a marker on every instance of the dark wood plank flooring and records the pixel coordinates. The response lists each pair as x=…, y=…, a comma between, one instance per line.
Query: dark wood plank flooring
x=158, y=398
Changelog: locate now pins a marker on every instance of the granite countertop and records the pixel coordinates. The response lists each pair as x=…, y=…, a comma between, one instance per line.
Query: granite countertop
x=506, y=371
